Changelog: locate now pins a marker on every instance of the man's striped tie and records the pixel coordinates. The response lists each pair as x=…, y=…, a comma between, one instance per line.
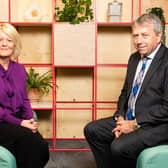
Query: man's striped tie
x=137, y=84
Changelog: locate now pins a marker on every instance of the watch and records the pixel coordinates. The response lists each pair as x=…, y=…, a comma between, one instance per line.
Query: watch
x=135, y=125
x=116, y=117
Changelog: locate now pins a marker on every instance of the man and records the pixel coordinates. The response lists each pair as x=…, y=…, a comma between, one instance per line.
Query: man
x=141, y=120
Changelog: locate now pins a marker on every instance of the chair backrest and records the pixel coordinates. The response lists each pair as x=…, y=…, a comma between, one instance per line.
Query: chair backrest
x=7, y=159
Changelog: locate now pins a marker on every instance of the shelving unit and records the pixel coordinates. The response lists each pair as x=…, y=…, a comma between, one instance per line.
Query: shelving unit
x=88, y=62
x=4, y=12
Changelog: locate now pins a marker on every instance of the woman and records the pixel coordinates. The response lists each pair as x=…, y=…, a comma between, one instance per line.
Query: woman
x=18, y=129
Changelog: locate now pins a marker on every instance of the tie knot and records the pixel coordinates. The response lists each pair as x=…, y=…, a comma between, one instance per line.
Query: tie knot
x=144, y=59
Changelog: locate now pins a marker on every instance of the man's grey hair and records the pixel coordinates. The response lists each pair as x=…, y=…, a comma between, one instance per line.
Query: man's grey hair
x=151, y=19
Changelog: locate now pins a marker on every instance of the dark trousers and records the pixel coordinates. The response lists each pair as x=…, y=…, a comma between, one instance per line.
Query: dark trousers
x=29, y=149
x=111, y=152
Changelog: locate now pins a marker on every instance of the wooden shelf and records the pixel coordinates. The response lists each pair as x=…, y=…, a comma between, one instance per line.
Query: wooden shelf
x=4, y=10
x=42, y=105
x=104, y=113
x=108, y=39
x=109, y=83
x=74, y=44
x=45, y=118
x=22, y=11
x=37, y=44
x=155, y=3
x=70, y=123
x=74, y=84
x=46, y=97
x=102, y=8
x=111, y=24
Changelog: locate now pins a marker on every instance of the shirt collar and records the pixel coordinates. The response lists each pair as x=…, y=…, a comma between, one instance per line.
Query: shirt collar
x=4, y=72
x=152, y=55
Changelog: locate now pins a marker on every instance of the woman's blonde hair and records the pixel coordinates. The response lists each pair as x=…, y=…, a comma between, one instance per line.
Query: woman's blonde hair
x=14, y=35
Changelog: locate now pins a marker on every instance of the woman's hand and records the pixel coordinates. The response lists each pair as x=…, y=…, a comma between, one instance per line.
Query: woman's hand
x=31, y=124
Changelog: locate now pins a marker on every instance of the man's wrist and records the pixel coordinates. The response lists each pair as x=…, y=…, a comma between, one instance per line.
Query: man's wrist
x=135, y=125
x=116, y=117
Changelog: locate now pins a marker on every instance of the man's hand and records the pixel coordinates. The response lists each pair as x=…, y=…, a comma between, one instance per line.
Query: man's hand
x=31, y=124
x=123, y=126
x=116, y=130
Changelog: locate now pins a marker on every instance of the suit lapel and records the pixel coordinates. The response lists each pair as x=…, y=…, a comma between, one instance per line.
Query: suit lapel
x=153, y=67
x=133, y=68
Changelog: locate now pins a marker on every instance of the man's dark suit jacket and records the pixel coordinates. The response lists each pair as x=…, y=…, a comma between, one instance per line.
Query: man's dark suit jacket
x=151, y=108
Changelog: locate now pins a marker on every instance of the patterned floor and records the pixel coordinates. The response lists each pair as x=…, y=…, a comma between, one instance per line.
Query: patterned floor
x=71, y=159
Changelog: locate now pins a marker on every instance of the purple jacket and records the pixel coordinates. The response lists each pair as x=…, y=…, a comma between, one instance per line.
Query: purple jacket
x=13, y=94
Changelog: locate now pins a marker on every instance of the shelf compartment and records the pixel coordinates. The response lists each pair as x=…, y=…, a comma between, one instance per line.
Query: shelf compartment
x=45, y=121
x=152, y=4
x=20, y=7
x=4, y=11
x=105, y=113
x=105, y=109
x=45, y=100
x=110, y=40
x=74, y=84
x=37, y=44
x=74, y=44
x=59, y=4
x=70, y=123
x=102, y=8
x=109, y=83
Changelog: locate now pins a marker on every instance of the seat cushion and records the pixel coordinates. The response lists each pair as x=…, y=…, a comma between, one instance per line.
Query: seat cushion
x=154, y=157
x=7, y=160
